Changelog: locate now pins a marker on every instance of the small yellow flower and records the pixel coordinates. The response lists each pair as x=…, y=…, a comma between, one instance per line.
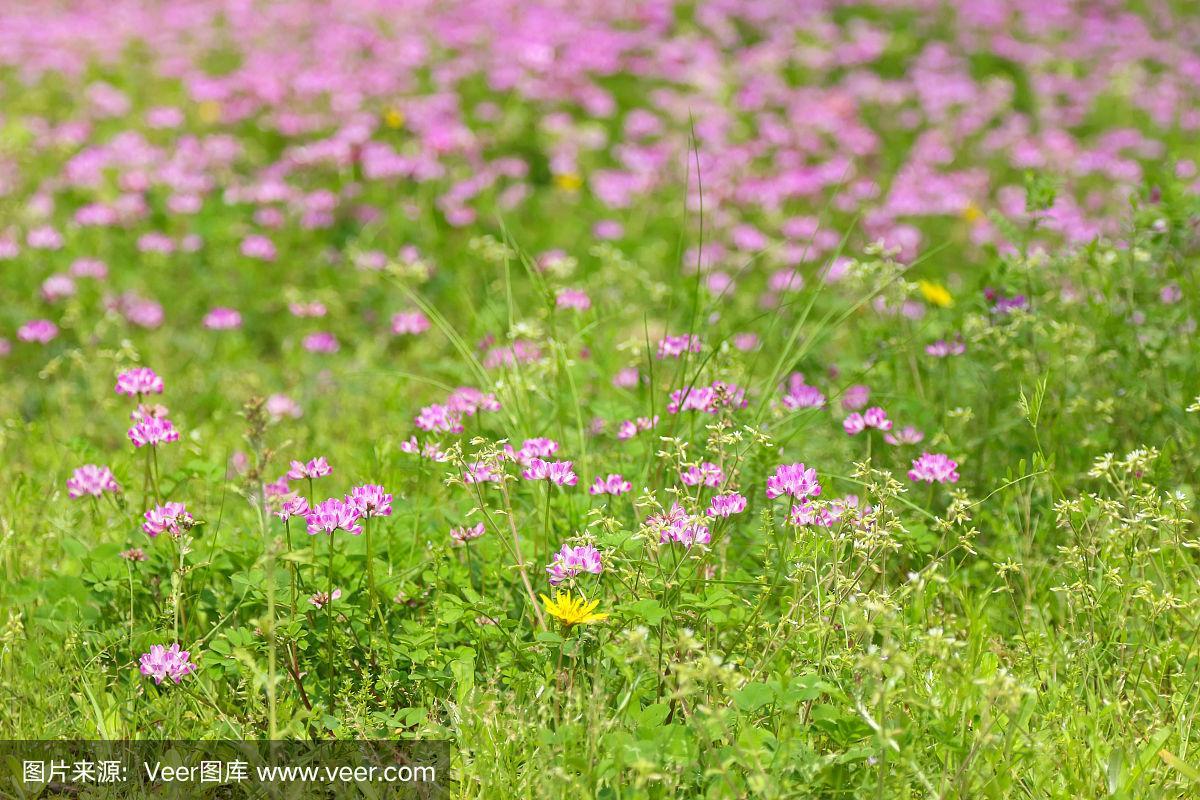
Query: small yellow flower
x=935, y=293
x=568, y=181
x=972, y=213
x=573, y=611
x=394, y=118
x=209, y=112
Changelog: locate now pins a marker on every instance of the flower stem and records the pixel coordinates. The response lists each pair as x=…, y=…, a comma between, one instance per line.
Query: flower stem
x=146, y=485
x=329, y=633
x=287, y=527
x=370, y=567
x=157, y=490
x=273, y=642
x=177, y=580
x=512, y=524
x=129, y=572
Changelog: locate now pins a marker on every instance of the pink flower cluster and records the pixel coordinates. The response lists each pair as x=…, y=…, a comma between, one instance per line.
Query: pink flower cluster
x=934, y=468
x=315, y=468
x=280, y=406
x=293, y=506
x=708, y=399
x=223, y=319
x=679, y=526
x=42, y=331
x=519, y=352
x=333, y=514
x=448, y=417
x=302, y=310
x=429, y=450
x=91, y=480
x=370, y=500
x=571, y=561
x=322, y=599
x=163, y=662
x=557, y=472
x=479, y=472
x=614, y=485
x=797, y=394
x=942, y=348
x=469, y=401
x=827, y=514
x=572, y=299
x=794, y=480
x=464, y=534
x=320, y=342
x=855, y=397
x=345, y=100
x=906, y=435
x=343, y=513
x=531, y=449
x=705, y=474
x=153, y=431
x=172, y=518
x=630, y=428
x=439, y=418
x=139, y=381
x=726, y=505
x=57, y=287
x=675, y=346
x=874, y=417
x=409, y=323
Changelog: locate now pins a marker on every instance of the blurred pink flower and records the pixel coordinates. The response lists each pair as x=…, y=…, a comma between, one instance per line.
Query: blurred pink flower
x=409, y=323
x=315, y=468
x=465, y=534
x=614, y=485
x=41, y=331
x=91, y=480
x=320, y=342
x=222, y=319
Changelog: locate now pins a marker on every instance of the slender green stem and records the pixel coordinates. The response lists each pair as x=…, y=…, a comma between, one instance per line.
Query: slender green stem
x=292, y=569
x=146, y=484
x=516, y=539
x=470, y=564
x=329, y=631
x=272, y=639
x=370, y=568
x=157, y=489
x=177, y=581
x=549, y=548
x=129, y=573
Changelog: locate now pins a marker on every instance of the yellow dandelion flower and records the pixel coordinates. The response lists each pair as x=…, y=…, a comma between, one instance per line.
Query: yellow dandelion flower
x=568, y=182
x=394, y=118
x=972, y=213
x=209, y=112
x=571, y=611
x=936, y=294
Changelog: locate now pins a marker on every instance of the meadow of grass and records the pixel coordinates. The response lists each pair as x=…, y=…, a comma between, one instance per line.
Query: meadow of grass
x=717, y=399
